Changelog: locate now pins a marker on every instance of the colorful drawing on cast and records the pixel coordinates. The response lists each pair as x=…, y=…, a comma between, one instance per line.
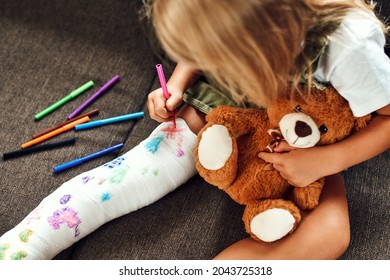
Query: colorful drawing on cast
x=19, y=255
x=66, y=216
x=154, y=144
x=169, y=133
x=65, y=199
x=114, y=163
x=3, y=248
x=86, y=179
x=118, y=175
x=105, y=197
x=25, y=234
x=180, y=153
x=145, y=170
x=172, y=132
x=34, y=215
x=101, y=181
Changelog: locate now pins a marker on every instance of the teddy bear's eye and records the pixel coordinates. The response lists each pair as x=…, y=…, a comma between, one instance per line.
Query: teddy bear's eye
x=323, y=129
x=298, y=109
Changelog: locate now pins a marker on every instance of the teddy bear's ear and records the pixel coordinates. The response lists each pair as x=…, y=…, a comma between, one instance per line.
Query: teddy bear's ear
x=361, y=122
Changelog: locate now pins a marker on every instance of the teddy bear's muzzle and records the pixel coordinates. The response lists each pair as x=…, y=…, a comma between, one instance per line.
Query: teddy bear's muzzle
x=299, y=130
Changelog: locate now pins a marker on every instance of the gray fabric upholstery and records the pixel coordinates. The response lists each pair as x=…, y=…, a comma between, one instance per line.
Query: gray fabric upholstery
x=48, y=48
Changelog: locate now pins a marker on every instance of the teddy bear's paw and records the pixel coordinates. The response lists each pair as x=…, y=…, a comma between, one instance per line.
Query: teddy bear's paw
x=215, y=147
x=272, y=224
x=308, y=198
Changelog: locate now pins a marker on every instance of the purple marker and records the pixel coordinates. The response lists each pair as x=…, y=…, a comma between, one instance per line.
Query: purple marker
x=104, y=88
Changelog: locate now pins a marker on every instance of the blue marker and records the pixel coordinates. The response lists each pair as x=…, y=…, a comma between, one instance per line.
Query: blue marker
x=109, y=121
x=79, y=161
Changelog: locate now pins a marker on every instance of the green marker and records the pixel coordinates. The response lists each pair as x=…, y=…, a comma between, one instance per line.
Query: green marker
x=67, y=98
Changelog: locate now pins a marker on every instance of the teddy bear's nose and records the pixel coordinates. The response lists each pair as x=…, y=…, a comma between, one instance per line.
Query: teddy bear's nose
x=302, y=129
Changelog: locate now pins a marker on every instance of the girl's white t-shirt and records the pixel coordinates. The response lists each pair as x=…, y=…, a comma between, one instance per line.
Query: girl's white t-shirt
x=356, y=65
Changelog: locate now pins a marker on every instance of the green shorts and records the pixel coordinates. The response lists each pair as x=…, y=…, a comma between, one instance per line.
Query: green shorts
x=205, y=97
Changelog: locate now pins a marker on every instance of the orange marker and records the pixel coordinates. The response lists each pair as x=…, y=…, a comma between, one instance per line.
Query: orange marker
x=55, y=132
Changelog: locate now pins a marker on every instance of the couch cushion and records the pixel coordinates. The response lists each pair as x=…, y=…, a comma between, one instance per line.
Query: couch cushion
x=48, y=50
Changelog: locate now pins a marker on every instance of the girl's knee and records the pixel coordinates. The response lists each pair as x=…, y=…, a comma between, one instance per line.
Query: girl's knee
x=334, y=215
x=342, y=233
x=336, y=231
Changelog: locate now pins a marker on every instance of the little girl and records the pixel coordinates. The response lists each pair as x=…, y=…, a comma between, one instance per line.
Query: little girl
x=249, y=52
x=255, y=50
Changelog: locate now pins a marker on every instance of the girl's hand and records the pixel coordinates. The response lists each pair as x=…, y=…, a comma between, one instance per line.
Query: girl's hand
x=300, y=167
x=160, y=108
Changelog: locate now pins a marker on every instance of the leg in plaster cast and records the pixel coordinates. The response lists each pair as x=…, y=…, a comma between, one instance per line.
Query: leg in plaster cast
x=155, y=167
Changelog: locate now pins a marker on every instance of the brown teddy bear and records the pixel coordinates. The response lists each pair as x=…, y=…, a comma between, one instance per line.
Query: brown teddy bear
x=228, y=147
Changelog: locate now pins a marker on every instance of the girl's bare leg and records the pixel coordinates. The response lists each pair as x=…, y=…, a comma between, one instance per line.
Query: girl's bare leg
x=194, y=118
x=324, y=233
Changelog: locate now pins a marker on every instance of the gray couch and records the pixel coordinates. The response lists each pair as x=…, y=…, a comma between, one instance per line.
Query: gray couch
x=50, y=47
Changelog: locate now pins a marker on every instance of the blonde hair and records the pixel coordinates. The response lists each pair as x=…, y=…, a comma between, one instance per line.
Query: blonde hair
x=249, y=48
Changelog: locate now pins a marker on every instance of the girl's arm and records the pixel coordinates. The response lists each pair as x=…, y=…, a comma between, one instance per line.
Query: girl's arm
x=183, y=76
x=303, y=166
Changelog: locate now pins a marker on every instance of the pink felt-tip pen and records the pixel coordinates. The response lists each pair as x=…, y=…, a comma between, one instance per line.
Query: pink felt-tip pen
x=163, y=83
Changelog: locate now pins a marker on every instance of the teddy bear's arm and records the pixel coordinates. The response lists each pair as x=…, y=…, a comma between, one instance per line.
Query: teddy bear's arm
x=239, y=120
x=216, y=152
x=216, y=155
